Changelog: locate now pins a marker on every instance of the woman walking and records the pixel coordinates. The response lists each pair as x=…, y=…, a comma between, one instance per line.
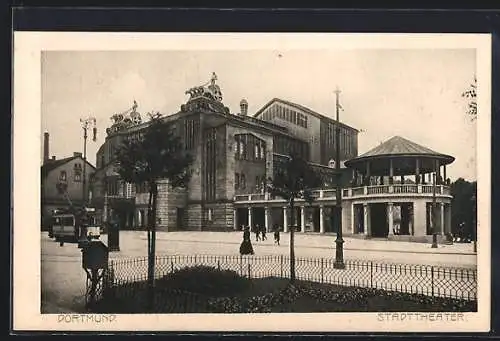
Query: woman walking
x=246, y=245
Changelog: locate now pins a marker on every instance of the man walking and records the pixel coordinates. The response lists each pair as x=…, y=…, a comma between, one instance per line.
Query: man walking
x=276, y=234
x=263, y=232
x=257, y=232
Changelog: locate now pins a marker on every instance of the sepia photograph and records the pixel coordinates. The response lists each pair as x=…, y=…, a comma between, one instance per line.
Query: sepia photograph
x=223, y=180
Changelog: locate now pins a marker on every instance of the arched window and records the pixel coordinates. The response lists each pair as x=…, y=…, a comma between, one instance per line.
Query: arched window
x=62, y=176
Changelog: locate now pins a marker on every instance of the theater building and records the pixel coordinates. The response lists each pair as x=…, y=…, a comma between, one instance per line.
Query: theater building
x=387, y=192
x=233, y=154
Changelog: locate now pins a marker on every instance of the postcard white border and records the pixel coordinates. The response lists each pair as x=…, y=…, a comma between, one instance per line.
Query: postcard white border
x=26, y=175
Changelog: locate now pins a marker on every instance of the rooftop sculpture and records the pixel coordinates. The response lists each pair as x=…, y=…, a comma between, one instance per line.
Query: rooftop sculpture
x=125, y=119
x=209, y=90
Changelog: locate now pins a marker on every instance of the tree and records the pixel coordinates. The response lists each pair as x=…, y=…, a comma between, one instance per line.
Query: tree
x=293, y=179
x=153, y=154
x=470, y=94
x=462, y=208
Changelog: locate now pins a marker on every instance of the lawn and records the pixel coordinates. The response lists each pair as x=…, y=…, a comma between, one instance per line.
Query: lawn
x=203, y=289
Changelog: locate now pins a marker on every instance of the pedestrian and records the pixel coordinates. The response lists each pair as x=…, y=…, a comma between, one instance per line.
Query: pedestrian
x=257, y=232
x=246, y=245
x=263, y=233
x=276, y=234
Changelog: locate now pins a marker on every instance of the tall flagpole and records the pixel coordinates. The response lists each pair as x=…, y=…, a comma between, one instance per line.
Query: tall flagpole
x=87, y=123
x=339, y=242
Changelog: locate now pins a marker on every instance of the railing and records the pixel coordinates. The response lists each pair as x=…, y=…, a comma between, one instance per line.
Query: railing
x=405, y=188
x=329, y=194
x=428, y=280
x=377, y=189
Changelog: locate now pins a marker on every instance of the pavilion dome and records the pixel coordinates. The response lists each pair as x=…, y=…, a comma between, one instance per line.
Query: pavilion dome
x=400, y=150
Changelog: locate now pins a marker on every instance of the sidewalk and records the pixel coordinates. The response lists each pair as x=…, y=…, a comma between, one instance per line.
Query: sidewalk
x=308, y=240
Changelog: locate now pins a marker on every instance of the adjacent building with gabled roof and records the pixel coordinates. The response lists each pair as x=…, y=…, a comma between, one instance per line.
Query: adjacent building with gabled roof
x=68, y=170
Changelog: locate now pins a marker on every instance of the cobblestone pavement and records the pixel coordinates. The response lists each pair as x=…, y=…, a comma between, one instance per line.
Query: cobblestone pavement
x=63, y=279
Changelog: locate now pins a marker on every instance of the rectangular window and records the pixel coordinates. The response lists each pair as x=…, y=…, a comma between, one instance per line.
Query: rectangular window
x=244, y=148
x=236, y=181
x=210, y=214
x=78, y=177
x=243, y=183
x=237, y=146
x=62, y=176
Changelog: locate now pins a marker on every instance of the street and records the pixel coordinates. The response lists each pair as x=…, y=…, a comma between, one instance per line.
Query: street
x=63, y=279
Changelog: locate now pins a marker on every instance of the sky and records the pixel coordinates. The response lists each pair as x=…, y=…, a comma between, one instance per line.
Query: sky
x=413, y=93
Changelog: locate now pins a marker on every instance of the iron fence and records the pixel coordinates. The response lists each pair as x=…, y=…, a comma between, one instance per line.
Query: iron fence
x=449, y=282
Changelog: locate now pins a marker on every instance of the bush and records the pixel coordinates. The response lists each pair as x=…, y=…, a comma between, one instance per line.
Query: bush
x=204, y=280
x=337, y=298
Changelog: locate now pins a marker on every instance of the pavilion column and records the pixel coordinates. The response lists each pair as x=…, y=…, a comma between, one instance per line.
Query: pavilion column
x=444, y=173
x=402, y=179
x=390, y=219
x=266, y=218
x=321, y=220
x=250, y=218
x=391, y=172
x=438, y=173
x=417, y=171
x=367, y=182
x=285, y=219
x=366, y=219
x=441, y=218
x=448, y=219
x=302, y=219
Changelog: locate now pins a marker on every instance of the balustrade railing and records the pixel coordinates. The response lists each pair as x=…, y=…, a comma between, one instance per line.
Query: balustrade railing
x=329, y=194
x=378, y=189
x=405, y=188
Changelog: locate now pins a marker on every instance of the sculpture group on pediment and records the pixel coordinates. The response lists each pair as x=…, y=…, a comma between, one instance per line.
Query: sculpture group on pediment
x=125, y=119
x=208, y=90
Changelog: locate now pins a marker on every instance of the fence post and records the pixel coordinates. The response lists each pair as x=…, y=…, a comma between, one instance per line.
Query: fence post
x=432, y=280
x=249, y=274
x=241, y=265
x=321, y=270
x=218, y=264
x=371, y=274
x=281, y=266
x=171, y=266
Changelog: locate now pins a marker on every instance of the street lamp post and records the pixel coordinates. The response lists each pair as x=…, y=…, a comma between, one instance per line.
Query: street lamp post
x=87, y=123
x=339, y=242
x=433, y=212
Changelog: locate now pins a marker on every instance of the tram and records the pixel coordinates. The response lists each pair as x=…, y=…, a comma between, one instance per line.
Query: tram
x=67, y=225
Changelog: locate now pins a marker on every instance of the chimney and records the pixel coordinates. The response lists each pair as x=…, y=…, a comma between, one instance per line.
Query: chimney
x=77, y=154
x=243, y=107
x=45, y=147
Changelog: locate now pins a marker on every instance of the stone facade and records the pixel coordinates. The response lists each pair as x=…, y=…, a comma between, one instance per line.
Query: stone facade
x=213, y=136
